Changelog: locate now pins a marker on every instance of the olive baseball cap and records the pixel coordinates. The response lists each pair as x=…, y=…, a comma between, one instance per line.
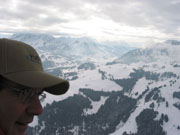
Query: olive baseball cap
x=20, y=63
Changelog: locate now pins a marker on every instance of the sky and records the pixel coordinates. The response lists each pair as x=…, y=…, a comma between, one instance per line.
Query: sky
x=112, y=20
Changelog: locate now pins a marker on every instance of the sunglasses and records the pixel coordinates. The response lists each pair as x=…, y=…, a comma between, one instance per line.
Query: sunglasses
x=26, y=94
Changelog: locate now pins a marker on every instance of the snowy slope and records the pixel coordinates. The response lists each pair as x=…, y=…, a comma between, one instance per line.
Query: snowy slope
x=155, y=53
x=167, y=86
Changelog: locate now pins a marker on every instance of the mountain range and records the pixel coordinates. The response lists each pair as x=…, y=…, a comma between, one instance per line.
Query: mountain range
x=133, y=92
x=72, y=48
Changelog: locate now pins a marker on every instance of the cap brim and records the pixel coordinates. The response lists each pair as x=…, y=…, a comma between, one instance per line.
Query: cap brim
x=39, y=79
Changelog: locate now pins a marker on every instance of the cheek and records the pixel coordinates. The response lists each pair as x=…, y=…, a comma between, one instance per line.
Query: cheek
x=16, y=130
x=7, y=119
x=9, y=114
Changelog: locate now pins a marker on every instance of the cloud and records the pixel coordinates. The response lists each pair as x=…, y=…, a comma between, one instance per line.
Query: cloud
x=159, y=14
x=156, y=17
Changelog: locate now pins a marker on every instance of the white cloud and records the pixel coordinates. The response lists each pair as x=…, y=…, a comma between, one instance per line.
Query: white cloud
x=102, y=19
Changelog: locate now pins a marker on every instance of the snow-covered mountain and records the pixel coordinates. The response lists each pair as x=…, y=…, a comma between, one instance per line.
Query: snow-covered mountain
x=71, y=48
x=116, y=100
x=137, y=94
x=158, y=53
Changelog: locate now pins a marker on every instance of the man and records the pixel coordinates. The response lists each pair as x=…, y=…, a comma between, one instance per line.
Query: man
x=22, y=82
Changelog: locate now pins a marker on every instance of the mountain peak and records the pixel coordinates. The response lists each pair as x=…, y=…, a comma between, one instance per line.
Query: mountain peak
x=31, y=36
x=173, y=42
x=162, y=52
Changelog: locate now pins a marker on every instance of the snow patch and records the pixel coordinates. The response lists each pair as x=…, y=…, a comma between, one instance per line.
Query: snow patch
x=95, y=106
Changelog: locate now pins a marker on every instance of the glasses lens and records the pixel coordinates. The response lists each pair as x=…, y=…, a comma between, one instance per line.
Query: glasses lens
x=42, y=97
x=29, y=95
x=26, y=94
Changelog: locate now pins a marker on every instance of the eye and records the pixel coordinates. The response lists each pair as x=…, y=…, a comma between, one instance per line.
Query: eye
x=30, y=95
x=17, y=93
x=25, y=94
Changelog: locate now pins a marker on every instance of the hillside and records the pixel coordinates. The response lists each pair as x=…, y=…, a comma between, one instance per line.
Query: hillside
x=137, y=93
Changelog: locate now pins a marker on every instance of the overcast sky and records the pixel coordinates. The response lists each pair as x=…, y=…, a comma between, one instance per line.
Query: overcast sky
x=127, y=20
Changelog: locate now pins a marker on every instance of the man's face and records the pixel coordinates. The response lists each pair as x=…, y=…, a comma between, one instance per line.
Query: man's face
x=15, y=115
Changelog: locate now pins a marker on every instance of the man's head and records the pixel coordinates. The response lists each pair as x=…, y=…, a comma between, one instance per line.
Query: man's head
x=18, y=106
x=22, y=81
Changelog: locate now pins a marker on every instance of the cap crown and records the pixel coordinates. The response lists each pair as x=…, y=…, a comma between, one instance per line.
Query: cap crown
x=17, y=56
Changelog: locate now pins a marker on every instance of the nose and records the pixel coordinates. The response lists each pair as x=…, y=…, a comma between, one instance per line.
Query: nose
x=35, y=107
